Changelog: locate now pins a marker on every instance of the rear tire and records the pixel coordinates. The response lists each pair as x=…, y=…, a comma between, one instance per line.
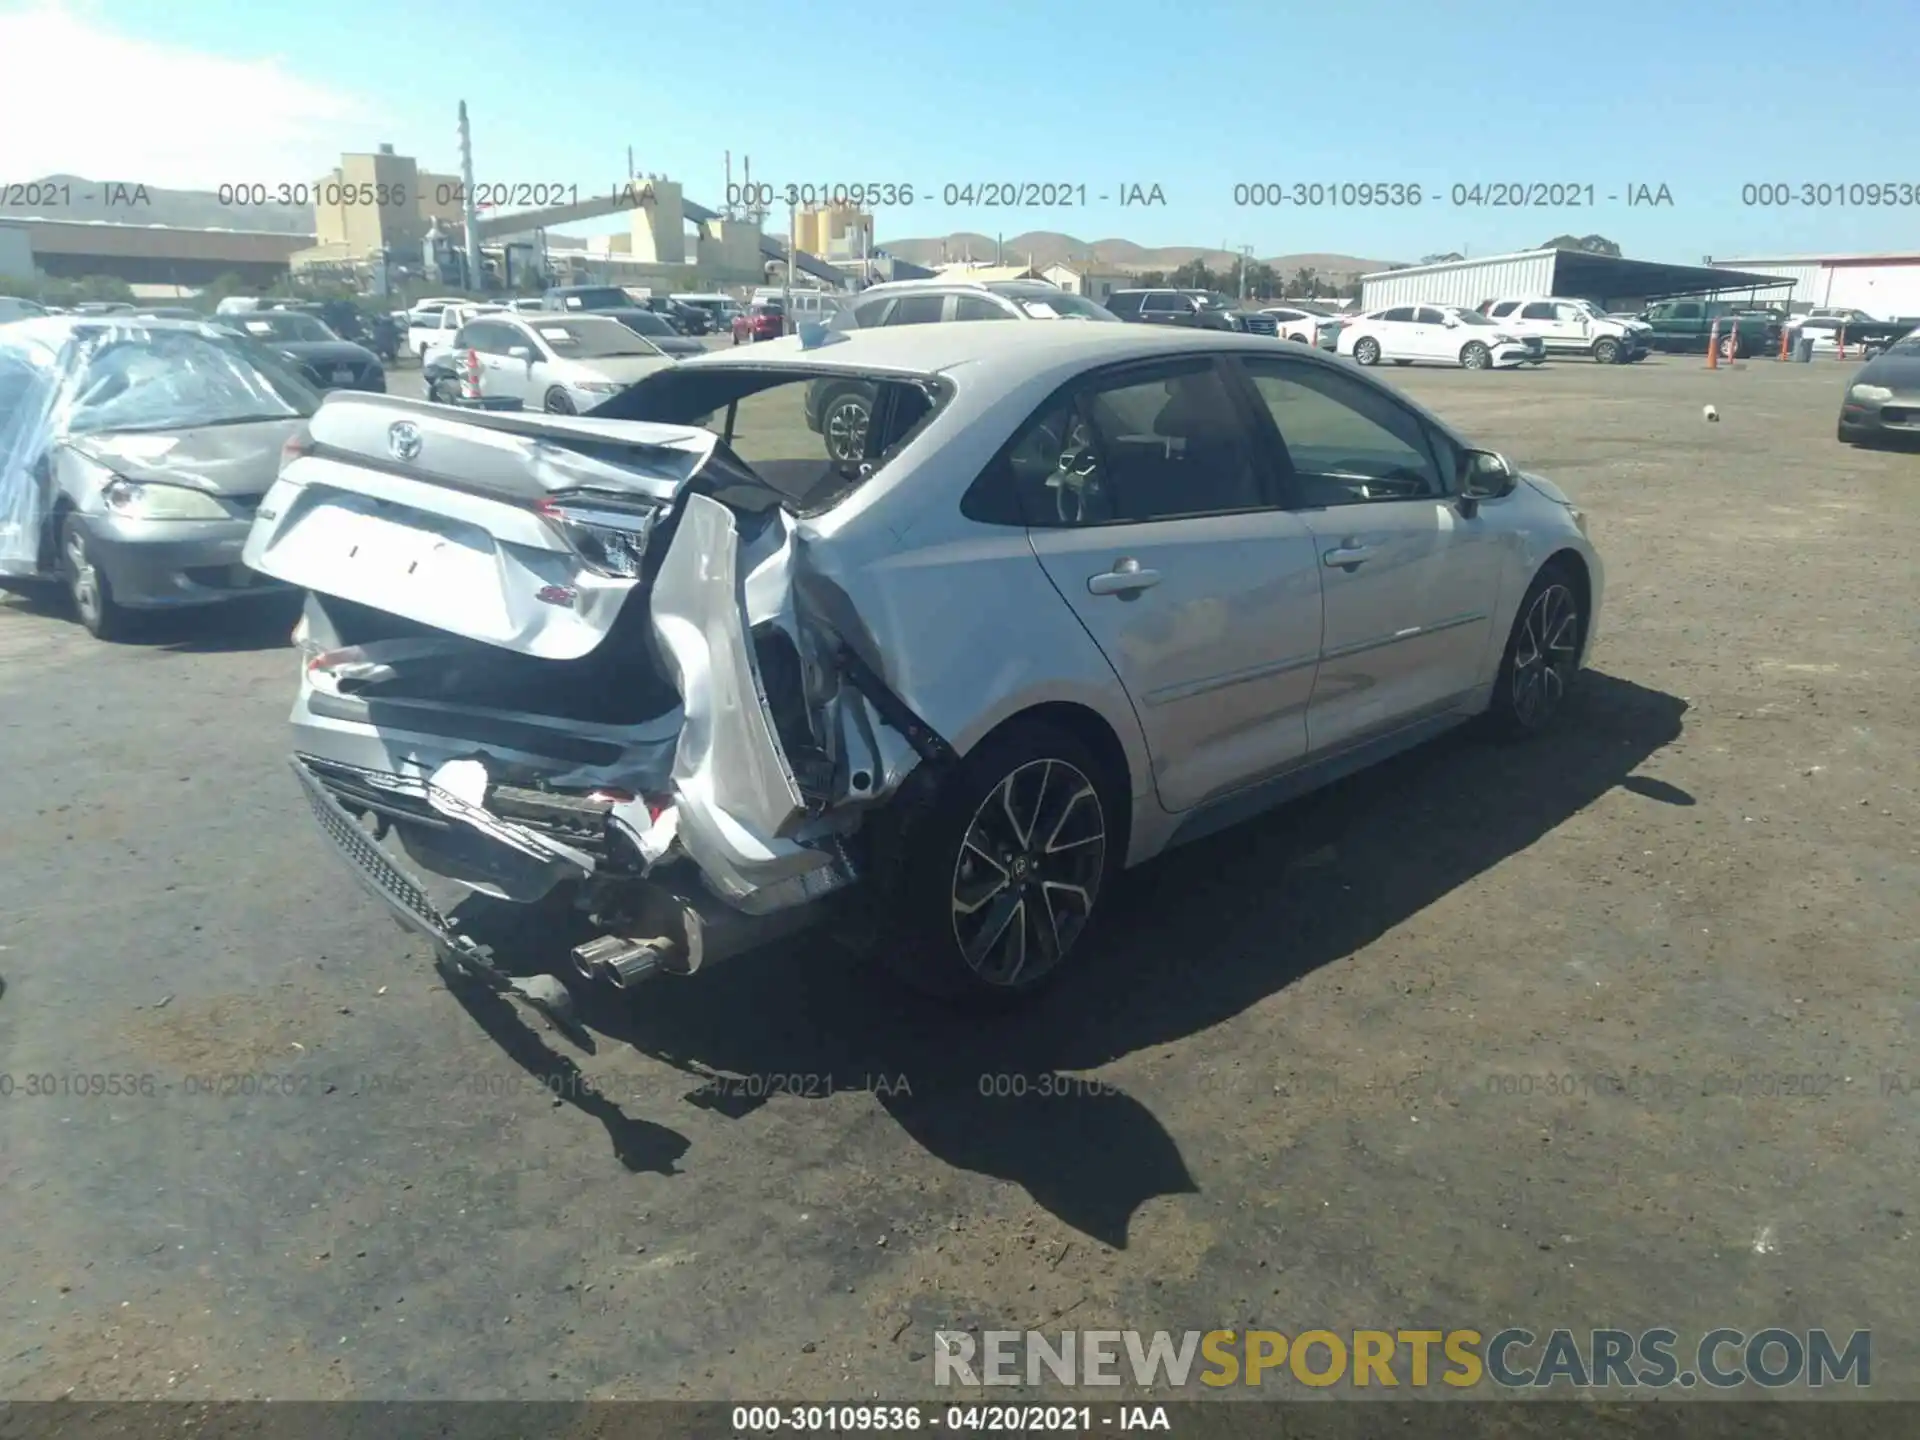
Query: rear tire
x=1001, y=870
x=1542, y=656
x=1366, y=351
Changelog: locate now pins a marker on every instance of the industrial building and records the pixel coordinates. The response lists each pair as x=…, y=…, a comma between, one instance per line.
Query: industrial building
x=1886, y=286
x=1088, y=280
x=146, y=254
x=1616, y=284
x=345, y=230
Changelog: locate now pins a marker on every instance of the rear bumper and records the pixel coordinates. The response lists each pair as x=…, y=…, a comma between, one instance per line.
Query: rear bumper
x=156, y=565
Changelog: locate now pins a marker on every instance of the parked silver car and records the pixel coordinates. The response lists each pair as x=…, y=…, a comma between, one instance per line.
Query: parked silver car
x=1091, y=591
x=132, y=454
x=562, y=364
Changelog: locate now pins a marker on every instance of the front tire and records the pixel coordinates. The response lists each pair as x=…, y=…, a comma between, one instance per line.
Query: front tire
x=1366, y=351
x=1001, y=872
x=1542, y=656
x=558, y=402
x=87, y=587
x=1476, y=356
x=445, y=392
x=1606, y=351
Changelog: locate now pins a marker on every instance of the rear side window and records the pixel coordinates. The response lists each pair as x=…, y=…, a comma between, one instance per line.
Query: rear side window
x=1402, y=314
x=1538, y=310
x=917, y=310
x=1132, y=450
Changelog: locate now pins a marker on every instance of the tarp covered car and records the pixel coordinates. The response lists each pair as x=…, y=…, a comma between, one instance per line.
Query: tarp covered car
x=132, y=454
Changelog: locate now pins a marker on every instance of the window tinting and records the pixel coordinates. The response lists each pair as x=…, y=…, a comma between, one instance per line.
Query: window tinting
x=1538, y=310
x=917, y=310
x=1402, y=314
x=1349, y=443
x=973, y=307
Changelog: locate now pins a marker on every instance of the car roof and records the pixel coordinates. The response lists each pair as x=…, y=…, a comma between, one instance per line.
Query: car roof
x=1039, y=349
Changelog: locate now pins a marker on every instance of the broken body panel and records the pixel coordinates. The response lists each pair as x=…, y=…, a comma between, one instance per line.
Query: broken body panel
x=468, y=570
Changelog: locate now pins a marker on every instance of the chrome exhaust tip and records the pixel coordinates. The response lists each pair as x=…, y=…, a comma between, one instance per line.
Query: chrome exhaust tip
x=623, y=962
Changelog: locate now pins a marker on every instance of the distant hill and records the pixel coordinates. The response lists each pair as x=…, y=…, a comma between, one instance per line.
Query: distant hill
x=77, y=198
x=1049, y=247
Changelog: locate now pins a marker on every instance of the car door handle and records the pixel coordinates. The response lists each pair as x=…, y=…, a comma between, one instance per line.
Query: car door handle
x=1126, y=579
x=1349, y=557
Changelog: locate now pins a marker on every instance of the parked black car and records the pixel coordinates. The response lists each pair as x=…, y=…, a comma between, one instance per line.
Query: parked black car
x=326, y=361
x=1194, y=309
x=1883, y=400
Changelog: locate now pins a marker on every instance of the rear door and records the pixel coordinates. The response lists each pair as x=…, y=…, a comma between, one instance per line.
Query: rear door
x=1152, y=510
x=1396, y=333
x=1409, y=583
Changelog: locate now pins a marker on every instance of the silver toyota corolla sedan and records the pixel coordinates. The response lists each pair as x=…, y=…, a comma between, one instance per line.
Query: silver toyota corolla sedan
x=1090, y=591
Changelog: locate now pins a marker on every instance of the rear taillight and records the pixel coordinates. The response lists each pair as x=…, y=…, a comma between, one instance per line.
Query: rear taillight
x=609, y=535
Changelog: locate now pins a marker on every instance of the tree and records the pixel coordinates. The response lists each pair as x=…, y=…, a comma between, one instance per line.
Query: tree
x=1591, y=244
x=1305, y=283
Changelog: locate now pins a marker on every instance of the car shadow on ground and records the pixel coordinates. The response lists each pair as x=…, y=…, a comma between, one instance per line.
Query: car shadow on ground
x=258, y=624
x=1191, y=940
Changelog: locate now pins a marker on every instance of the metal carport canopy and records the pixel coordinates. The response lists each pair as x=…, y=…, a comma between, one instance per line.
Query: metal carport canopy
x=1583, y=273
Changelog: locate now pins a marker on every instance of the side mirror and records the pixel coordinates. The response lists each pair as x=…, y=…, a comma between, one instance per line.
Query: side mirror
x=522, y=352
x=1484, y=475
x=1453, y=322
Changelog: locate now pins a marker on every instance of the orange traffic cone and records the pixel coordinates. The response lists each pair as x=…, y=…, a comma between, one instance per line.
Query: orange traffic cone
x=470, y=377
x=1713, y=347
x=1786, y=338
x=1841, y=340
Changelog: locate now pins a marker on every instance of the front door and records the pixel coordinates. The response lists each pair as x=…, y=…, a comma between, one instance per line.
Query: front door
x=1433, y=339
x=1153, y=516
x=1409, y=583
x=1398, y=335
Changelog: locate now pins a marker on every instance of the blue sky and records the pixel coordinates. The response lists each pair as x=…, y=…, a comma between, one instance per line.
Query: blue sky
x=1194, y=98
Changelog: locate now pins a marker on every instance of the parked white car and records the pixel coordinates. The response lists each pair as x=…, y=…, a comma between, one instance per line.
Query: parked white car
x=1301, y=323
x=1436, y=334
x=1572, y=327
x=562, y=364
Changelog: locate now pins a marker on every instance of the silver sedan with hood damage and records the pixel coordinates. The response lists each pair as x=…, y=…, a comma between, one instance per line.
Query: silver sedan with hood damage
x=1089, y=592
x=132, y=453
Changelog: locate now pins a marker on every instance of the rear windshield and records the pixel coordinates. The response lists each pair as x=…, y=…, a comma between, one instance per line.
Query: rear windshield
x=813, y=436
x=607, y=298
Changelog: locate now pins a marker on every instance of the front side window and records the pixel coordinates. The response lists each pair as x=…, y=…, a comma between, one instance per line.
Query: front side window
x=1349, y=442
x=1504, y=309
x=1427, y=315
x=1133, y=450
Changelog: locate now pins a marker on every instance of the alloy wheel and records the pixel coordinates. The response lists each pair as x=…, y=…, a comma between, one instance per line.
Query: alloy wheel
x=847, y=429
x=83, y=581
x=1028, y=873
x=1366, y=351
x=1545, y=654
x=1476, y=356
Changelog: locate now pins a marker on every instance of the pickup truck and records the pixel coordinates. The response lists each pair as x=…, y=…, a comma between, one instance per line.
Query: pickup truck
x=434, y=329
x=1685, y=327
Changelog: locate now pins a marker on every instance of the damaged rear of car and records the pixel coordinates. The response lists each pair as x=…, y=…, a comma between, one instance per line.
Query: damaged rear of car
x=591, y=662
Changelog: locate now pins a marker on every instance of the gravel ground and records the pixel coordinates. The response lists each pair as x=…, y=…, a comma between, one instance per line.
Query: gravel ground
x=1488, y=1036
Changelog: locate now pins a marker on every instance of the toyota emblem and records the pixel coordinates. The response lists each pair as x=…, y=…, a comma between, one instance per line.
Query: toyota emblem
x=403, y=439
